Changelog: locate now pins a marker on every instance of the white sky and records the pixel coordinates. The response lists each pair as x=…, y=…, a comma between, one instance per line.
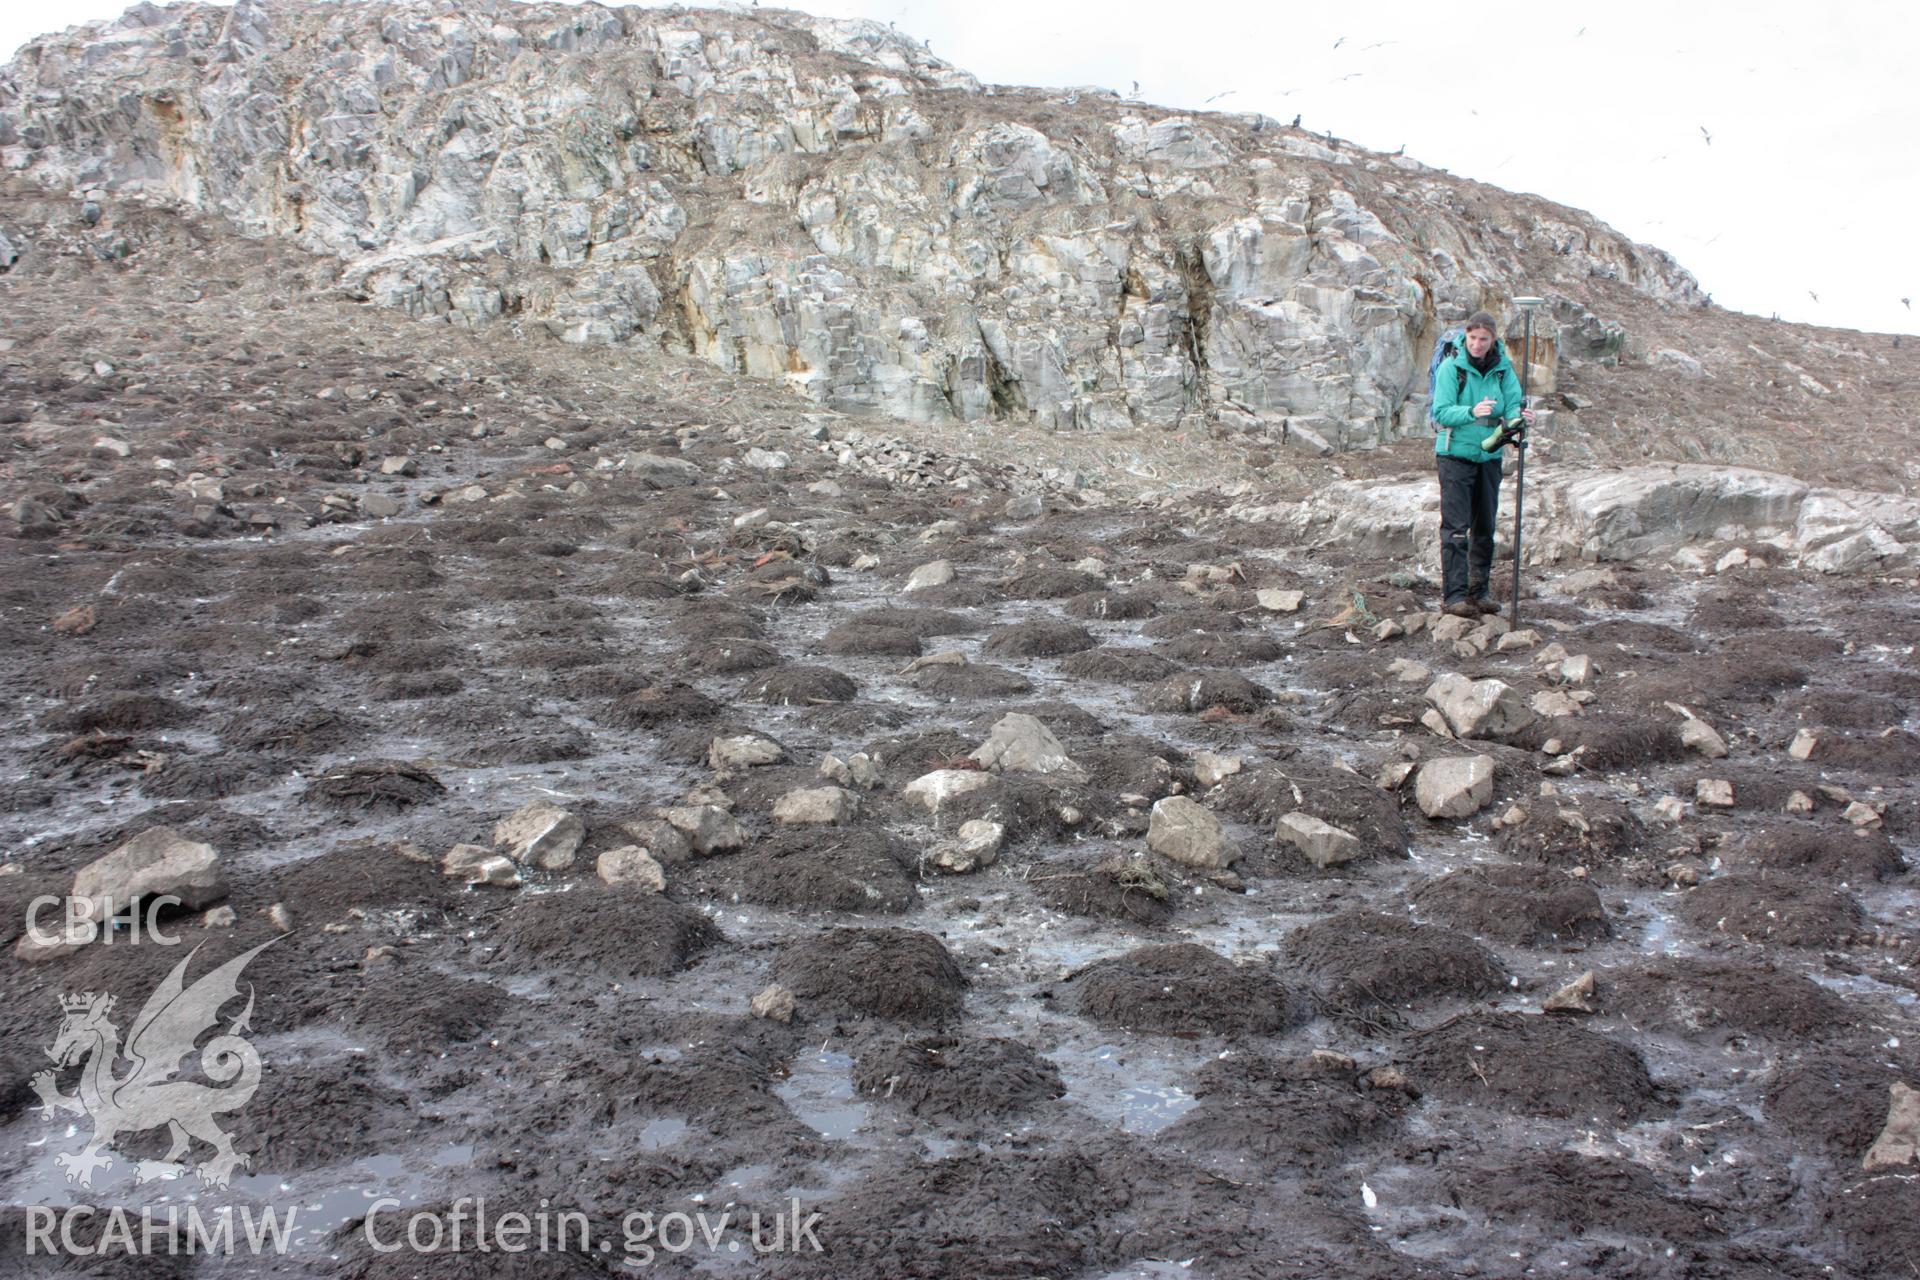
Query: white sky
x=1809, y=185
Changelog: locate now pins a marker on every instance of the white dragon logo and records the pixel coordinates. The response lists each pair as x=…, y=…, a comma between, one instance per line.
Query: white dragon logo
x=147, y=1096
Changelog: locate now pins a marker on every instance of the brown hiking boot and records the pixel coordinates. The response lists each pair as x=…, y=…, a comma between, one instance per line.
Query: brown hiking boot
x=1485, y=604
x=1461, y=609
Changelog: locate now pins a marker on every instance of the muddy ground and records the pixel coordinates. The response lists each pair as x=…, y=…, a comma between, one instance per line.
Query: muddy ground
x=1082, y=1060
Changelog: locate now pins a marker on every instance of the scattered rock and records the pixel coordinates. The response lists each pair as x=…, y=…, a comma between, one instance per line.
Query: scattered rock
x=1698, y=735
x=1898, y=1143
x=773, y=1002
x=1715, y=793
x=1276, y=601
x=1804, y=744
x=1575, y=997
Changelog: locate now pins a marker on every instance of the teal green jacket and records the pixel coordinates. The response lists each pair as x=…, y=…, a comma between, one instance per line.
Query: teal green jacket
x=1460, y=433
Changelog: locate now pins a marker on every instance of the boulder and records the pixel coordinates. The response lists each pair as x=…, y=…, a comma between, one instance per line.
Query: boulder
x=824, y=806
x=631, y=866
x=975, y=845
x=937, y=573
x=157, y=862
x=931, y=791
x=1187, y=832
x=1323, y=844
x=1020, y=742
x=774, y=1002
x=1899, y=1142
x=744, y=752
x=662, y=472
x=1210, y=770
x=1698, y=735
x=540, y=834
x=1479, y=708
x=1454, y=786
x=707, y=827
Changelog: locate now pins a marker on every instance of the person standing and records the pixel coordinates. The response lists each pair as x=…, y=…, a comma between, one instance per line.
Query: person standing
x=1475, y=389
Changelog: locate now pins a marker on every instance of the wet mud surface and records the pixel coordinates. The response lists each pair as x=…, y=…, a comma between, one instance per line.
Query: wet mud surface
x=1083, y=1058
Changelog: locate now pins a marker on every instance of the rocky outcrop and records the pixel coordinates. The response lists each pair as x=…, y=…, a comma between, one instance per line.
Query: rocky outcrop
x=1629, y=513
x=814, y=201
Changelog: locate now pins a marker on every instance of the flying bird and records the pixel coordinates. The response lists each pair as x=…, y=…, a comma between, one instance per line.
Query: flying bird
x=1813, y=295
x=1337, y=43
x=1222, y=94
x=1136, y=89
x=1706, y=135
x=1907, y=303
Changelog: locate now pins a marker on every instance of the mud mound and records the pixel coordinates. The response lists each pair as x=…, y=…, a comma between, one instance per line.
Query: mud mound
x=855, y=638
x=1533, y=1064
x=600, y=934
x=1782, y=910
x=1895, y=752
x=1519, y=906
x=1721, y=999
x=556, y=657
x=925, y=623
x=537, y=741
x=1261, y=796
x=1183, y=989
x=408, y=688
x=709, y=620
x=1880, y=1221
x=1838, y=1096
x=1040, y=639
x=895, y=974
x=1734, y=607
x=366, y=874
x=661, y=704
x=957, y=1078
x=1566, y=1193
x=1129, y=768
x=969, y=683
x=1119, y=887
x=1848, y=708
x=1052, y=584
x=1118, y=666
x=1283, y=1112
x=1200, y=691
x=292, y=731
x=1610, y=741
x=1362, y=959
x=1631, y=639
x=1588, y=831
x=801, y=686
x=1827, y=854
x=375, y=786
x=320, y=1112
x=813, y=871
x=726, y=657
x=986, y=1215
x=128, y=713
x=416, y=1010
x=907, y=756
x=208, y=777
x=1213, y=648
x=1187, y=622
x=1110, y=606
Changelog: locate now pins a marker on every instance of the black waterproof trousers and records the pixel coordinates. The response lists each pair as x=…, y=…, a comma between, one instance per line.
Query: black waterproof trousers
x=1469, y=505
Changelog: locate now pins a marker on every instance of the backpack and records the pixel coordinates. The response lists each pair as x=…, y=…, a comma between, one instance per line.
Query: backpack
x=1448, y=344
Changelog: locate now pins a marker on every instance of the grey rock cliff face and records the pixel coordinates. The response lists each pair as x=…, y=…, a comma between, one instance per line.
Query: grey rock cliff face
x=809, y=200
